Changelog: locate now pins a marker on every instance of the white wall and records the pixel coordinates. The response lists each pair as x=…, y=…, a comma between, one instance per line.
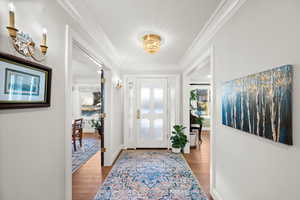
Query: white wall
x=113, y=124
x=261, y=35
x=32, y=141
x=76, y=106
x=117, y=112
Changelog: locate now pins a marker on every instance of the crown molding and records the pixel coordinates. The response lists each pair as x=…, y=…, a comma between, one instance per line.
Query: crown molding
x=67, y=6
x=109, y=55
x=225, y=10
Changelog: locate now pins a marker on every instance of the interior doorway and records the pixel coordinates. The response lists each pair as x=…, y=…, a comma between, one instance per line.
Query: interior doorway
x=198, y=117
x=84, y=102
x=87, y=105
x=87, y=123
x=200, y=102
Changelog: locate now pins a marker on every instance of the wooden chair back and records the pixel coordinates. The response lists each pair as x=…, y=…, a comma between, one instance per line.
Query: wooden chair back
x=77, y=132
x=77, y=124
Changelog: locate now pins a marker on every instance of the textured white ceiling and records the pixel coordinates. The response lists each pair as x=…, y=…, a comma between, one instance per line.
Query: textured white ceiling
x=125, y=21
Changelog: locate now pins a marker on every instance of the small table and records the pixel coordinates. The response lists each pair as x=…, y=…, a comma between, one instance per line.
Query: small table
x=198, y=128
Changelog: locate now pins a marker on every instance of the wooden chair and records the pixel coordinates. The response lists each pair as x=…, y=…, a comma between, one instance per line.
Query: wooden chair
x=77, y=132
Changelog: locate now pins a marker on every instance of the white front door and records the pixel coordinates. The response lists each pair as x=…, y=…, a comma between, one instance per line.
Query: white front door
x=152, y=113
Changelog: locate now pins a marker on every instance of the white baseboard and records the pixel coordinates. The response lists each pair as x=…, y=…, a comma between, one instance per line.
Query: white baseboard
x=115, y=154
x=215, y=194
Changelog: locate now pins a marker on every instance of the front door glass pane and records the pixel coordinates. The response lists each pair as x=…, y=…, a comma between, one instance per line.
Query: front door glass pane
x=145, y=129
x=145, y=100
x=158, y=100
x=158, y=129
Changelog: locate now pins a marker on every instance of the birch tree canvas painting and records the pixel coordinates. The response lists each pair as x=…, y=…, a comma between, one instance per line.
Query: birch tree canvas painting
x=261, y=104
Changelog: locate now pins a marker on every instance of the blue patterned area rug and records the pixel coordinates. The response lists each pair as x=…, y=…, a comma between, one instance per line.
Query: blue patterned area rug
x=89, y=148
x=150, y=175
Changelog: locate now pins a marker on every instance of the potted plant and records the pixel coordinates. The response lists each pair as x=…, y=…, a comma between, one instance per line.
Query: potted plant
x=178, y=138
x=96, y=124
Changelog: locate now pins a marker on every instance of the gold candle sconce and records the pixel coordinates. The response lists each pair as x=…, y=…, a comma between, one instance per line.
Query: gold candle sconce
x=22, y=42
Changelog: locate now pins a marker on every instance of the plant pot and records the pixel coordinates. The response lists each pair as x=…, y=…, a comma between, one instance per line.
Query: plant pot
x=176, y=150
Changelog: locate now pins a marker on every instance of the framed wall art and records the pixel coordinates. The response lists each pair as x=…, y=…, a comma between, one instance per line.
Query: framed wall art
x=90, y=104
x=261, y=104
x=23, y=84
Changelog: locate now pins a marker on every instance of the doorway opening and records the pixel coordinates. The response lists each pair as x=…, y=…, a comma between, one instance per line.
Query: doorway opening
x=198, y=115
x=200, y=103
x=87, y=124
x=199, y=124
x=84, y=117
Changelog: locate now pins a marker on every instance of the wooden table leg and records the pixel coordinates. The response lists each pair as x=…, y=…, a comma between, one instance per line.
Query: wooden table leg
x=199, y=133
x=80, y=138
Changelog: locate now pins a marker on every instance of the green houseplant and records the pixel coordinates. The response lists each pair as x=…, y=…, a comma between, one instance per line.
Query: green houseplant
x=96, y=124
x=178, y=138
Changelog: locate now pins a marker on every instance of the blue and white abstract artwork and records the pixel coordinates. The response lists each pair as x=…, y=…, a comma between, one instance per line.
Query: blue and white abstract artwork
x=21, y=83
x=261, y=104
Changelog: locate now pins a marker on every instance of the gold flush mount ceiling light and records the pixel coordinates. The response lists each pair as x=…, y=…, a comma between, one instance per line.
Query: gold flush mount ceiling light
x=152, y=43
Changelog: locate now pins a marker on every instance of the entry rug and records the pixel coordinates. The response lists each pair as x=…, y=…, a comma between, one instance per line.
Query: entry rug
x=89, y=148
x=154, y=175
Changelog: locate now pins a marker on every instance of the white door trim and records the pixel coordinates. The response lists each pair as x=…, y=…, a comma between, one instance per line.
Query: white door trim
x=208, y=55
x=68, y=114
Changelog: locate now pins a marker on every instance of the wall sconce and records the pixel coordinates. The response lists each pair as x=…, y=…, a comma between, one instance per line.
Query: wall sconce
x=118, y=84
x=22, y=42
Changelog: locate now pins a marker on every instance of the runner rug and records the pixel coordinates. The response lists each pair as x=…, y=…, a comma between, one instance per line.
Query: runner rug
x=150, y=175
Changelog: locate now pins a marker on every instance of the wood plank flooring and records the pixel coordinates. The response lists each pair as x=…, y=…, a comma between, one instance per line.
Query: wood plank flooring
x=199, y=161
x=87, y=180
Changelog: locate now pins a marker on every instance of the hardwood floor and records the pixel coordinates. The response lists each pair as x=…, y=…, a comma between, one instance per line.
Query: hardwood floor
x=87, y=180
x=199, y=160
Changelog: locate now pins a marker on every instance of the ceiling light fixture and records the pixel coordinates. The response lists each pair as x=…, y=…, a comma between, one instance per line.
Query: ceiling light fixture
x=152, y=43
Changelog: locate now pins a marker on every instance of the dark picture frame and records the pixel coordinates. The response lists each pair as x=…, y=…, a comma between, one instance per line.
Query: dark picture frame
x=30, y=85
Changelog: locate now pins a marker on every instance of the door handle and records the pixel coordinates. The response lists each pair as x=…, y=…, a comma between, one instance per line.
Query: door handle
x=138, y=114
